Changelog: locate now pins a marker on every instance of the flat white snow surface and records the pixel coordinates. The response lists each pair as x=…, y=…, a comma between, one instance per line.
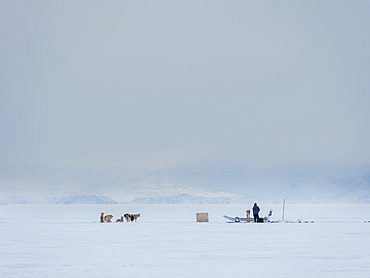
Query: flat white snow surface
x=69, y=241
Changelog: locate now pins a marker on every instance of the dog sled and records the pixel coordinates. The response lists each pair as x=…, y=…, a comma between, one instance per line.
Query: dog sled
x=249, y=219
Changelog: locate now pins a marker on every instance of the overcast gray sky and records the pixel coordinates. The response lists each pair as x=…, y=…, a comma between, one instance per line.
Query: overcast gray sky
x=151, y=84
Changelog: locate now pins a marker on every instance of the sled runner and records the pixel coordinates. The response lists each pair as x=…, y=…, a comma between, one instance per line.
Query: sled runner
x=236, y=219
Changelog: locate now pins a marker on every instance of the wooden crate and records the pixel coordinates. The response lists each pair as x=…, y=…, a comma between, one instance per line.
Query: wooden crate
x=202, y=217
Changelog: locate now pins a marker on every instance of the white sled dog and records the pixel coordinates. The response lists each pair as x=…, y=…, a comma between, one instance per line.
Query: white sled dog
x=131, y=217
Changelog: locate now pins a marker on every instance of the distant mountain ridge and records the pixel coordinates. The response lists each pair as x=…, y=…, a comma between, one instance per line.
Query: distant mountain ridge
x=200, y=183
x=82, y=199
x=188, y=199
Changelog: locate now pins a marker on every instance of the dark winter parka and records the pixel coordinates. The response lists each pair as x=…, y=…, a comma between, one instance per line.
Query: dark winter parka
x=256, y=209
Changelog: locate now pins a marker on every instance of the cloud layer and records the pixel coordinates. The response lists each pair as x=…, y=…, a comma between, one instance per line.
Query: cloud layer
x=153, y=84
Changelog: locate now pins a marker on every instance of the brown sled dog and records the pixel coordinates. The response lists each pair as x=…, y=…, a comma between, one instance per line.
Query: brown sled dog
x=107, y=218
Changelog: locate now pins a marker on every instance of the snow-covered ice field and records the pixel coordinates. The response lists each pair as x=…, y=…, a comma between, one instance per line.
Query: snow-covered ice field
x=68, y=241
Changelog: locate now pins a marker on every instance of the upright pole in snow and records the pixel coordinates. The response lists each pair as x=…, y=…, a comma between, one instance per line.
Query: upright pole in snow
x=283, y=209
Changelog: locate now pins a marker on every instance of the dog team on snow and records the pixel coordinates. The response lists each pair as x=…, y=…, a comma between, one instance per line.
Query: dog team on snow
x=128, y=217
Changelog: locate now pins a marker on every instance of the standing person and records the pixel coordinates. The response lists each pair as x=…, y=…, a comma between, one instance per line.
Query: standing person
x=256, y=210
